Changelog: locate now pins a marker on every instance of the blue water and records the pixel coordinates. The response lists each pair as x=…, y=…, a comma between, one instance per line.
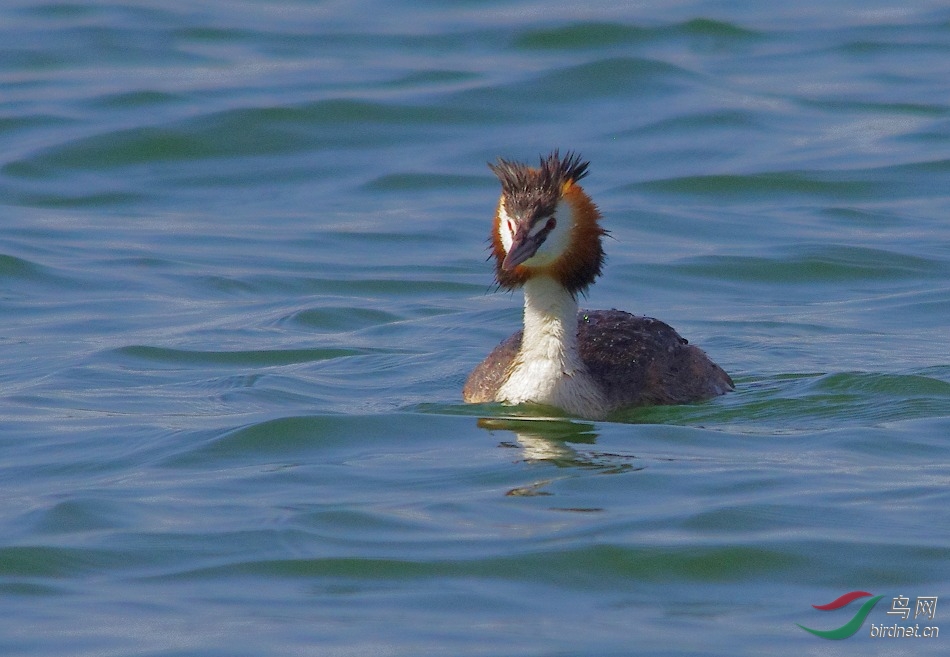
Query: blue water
x=243, y=278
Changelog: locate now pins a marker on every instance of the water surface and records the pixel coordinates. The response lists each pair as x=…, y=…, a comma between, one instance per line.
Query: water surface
x=243, y=278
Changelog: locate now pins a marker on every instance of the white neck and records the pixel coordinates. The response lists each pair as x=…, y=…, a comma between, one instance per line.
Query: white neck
x=549, y=369
x=550, y=323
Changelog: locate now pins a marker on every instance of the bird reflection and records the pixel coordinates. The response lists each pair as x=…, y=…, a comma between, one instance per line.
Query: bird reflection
x=551, y=441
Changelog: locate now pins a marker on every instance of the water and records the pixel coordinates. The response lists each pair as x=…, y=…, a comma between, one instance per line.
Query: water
x=242, y=280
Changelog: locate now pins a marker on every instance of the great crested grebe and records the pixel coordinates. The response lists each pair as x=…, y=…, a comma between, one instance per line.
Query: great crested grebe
x=546, y=238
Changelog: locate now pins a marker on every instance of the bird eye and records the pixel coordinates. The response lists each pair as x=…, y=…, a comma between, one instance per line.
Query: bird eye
x=511, y=227
x=552, y=222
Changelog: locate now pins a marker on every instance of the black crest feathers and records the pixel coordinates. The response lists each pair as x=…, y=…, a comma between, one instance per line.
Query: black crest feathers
x=536, y=190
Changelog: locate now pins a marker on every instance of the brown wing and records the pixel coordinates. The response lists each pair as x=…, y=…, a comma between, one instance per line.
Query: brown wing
x=487, y=377
x=641, y=360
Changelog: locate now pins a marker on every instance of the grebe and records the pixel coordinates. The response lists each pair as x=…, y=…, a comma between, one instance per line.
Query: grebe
x=546, y=238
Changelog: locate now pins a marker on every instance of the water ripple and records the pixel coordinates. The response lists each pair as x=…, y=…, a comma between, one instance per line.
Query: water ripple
x=585, y=35
x=831, y=264
x=258, y=358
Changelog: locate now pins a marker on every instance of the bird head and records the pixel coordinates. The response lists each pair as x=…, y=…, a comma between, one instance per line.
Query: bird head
x=545, y=224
